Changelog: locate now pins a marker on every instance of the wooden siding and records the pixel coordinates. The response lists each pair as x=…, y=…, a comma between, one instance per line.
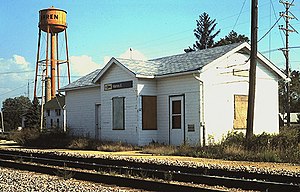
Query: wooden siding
x=130, y=133
x=185, y=85
x=145, y=87
x=220, y=86
x=80, y=106
x=54, y=117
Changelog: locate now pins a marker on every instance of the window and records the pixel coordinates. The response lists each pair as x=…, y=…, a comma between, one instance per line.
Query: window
x=48, y=112
x=118, y=113
x=57, y=122
x=240, y=111
x=57, y=112
x=149, y=112
x=176, y=114
x=51, y=122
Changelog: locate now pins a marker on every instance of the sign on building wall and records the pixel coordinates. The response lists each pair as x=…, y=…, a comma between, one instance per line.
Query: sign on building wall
x=118, y=85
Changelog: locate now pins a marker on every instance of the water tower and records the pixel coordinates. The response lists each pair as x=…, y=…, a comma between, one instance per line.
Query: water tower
x=52, y=21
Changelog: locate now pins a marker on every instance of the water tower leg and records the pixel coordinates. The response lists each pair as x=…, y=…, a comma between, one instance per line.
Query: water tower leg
x=57, y=63
x=37, y=63
x=53, y=64
x=67, y=52
x=47, y=51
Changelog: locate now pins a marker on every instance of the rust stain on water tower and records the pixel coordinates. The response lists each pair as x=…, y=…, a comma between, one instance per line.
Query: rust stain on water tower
x=55, y=19
x=52, y=21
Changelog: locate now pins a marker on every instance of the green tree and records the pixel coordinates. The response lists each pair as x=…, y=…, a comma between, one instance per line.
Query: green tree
x=294, y=93
x=204, y=33
x=14, y=109
x=232, y=37
x=32, y=117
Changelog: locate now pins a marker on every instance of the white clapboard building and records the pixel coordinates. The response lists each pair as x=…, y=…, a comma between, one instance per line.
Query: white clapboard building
x=185, y=98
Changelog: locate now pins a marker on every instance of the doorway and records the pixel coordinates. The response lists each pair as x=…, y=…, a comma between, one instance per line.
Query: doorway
x=176, y=114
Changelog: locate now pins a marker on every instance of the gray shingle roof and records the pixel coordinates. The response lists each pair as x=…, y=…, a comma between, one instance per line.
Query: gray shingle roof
x=57, y=102
x=84, y=81
x=185, y=62
x=191, y=61
x=177, y=63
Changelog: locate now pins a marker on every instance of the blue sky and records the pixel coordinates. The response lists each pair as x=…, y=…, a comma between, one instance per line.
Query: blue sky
x=100, y=29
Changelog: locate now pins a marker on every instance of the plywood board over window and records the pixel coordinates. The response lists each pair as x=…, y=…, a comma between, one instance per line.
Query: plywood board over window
x=118, y=113
x=149, y=112
x=240, y=111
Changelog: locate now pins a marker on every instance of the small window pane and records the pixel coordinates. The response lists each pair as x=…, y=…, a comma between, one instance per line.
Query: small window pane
x=176, y=107
x=176, y=122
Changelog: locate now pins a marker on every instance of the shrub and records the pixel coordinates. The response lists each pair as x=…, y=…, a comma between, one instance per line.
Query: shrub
x=78, y=143
x=159, y=149
x=24, y=136
x=115, y=147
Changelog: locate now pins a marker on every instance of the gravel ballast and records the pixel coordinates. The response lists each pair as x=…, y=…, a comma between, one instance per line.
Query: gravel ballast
x=12, y=180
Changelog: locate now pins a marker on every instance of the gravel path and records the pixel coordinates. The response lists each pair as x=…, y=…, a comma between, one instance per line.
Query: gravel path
x=22, y=181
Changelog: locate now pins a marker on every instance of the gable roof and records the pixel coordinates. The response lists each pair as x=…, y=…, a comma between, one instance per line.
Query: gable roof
x=175, y=64
x=172, y=65
x=57, y=102
x=83, y=82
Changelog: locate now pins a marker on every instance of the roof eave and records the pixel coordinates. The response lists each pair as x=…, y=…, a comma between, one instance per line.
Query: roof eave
x=178, y=74
x=80, y=87
x=107, y=66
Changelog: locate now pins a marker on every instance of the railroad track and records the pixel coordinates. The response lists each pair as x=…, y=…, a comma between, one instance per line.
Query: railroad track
x=44, y=163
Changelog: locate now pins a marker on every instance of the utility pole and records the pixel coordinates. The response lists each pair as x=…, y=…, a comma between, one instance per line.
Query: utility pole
x=28, y=88
x=2, y=123
x=285, y=50
x=42, y=100
x=252, y=71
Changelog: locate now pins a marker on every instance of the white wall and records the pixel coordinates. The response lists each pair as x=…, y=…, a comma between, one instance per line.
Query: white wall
x=130, y=134
x=220, y=85
x=145, y=87
x=54, y=118
x=178, y=85
x=80, y=106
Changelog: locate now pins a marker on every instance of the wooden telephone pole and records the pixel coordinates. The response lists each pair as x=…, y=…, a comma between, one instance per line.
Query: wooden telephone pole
x=285, y=50
x=252, y=72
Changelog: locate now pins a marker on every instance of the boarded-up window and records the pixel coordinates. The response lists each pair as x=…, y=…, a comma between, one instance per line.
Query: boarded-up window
x=240, y=111
x=176, y=114
x=149, y=111
x=118, y=113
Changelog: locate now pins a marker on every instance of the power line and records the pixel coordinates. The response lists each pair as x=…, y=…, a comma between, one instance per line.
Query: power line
x=269, y=30
x=239, y=14
x=13, y=90
x=12, y=72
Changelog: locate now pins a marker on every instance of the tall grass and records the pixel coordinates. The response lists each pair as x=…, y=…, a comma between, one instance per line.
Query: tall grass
x=282, y=147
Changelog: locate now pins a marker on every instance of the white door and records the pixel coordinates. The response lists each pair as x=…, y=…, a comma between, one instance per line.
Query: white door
x=97, y=121
x=176, y=120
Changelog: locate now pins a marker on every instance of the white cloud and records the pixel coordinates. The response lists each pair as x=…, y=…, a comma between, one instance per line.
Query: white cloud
x=83, y=64
x=106, y=59
x=133, y=54
x=15, y=72
x=20, y=60
x=128, y=54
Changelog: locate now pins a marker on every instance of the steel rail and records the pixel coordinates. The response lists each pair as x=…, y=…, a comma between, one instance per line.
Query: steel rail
x=171, y=168
x=149, y=185
x=162, y=174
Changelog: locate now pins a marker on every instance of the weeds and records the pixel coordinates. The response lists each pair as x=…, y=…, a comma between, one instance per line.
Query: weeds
x=64, y=173
x=282, y=147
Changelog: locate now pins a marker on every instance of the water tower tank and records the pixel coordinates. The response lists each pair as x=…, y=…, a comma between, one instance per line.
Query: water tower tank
x=55, y=18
